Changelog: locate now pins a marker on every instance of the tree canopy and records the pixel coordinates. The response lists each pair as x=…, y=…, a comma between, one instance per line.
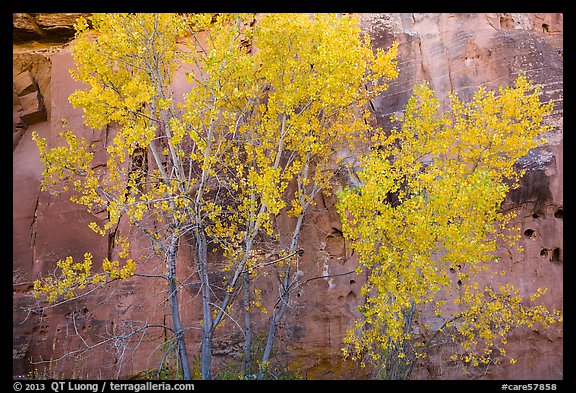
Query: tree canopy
x=269, y=102
x=426, y=219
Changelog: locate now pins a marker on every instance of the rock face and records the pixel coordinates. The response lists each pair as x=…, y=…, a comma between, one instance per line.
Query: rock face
x=102, y=332
x=43, y=27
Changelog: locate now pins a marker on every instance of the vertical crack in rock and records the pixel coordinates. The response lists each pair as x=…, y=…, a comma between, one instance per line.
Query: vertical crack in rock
x=33, y=228
x=423, y=67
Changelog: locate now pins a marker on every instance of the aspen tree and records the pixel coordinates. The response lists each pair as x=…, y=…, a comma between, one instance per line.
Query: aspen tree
x=428, y=205
x=212, y=168
x=321, y=72
x=126, y=62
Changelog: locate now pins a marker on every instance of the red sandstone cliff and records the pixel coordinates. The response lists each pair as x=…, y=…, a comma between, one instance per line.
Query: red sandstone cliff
x=452, y=51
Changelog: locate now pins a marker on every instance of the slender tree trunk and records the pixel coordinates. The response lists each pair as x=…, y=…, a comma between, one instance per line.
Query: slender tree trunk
x=206, y=356
x=408, y=361
x=174, y=305
x=274, y=323
x=247, y=324
x=284, y=298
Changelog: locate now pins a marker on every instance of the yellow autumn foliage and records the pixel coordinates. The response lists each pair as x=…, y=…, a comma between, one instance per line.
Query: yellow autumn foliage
x=428, y=205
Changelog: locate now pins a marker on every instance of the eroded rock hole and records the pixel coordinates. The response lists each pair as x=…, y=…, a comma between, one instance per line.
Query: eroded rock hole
x=335, y=243
x=559, y=213
x=556, y=255
x=352, y=282
x=529, y=232
x=351, y=296
x=535, y=215
x=506, y=22
x=543, y=252
x=545, y=28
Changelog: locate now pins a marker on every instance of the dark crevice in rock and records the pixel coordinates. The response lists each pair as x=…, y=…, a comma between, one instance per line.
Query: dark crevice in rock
x=33, y=224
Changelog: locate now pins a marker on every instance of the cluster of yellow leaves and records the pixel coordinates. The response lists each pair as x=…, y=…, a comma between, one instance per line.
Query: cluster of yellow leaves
x=65, y=165
x=76, y=276
x=117, y=63
x=256, y=302
x=488, y=315
x=428, y=205
x=113, y=269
